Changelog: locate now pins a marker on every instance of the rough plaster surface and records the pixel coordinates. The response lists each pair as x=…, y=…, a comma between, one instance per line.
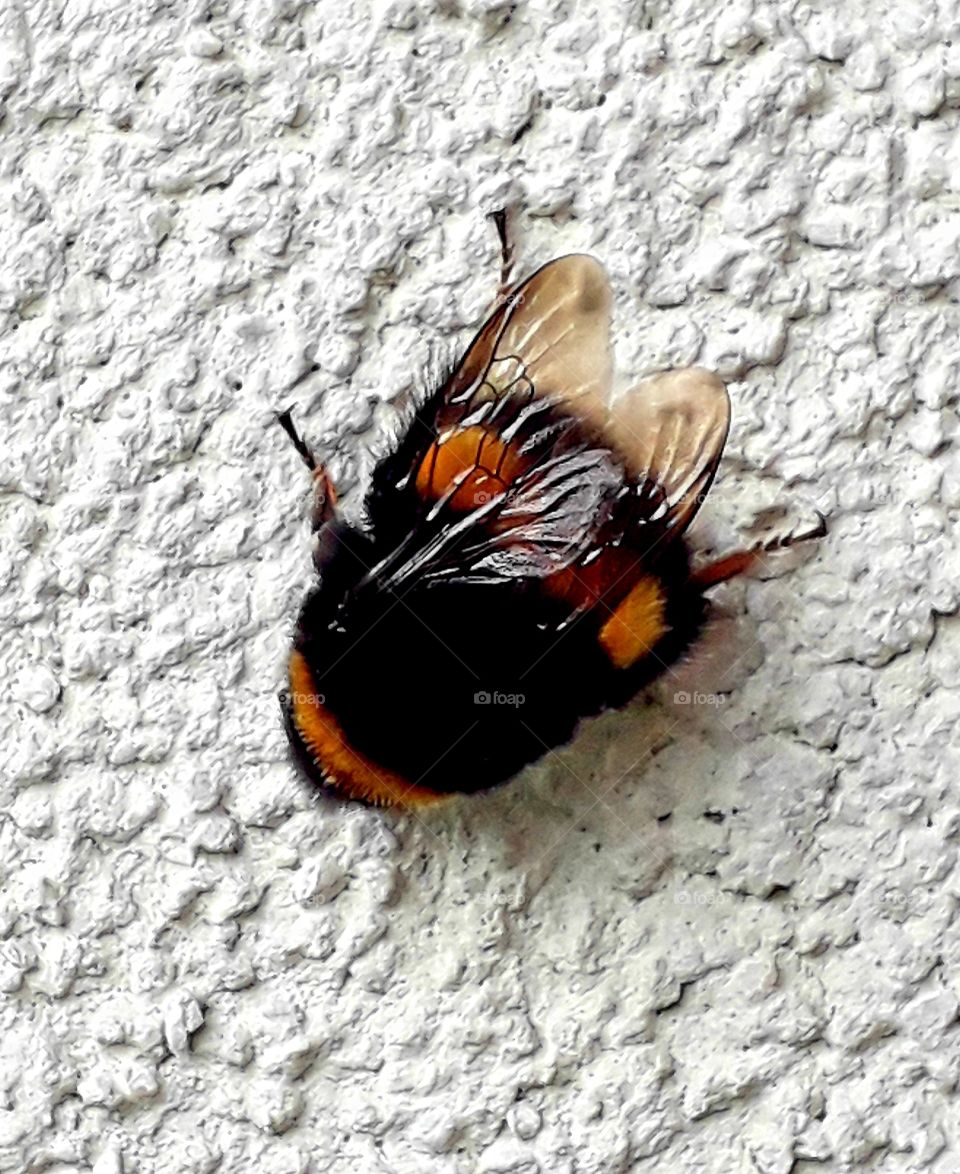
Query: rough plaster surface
x=710, y=936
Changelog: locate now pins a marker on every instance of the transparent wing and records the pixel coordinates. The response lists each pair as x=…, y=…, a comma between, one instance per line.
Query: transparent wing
x=670, y=431
x=544, y=521
x=550, y=339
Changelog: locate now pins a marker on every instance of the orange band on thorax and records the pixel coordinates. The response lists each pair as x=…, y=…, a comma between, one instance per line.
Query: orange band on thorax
x=478, y=461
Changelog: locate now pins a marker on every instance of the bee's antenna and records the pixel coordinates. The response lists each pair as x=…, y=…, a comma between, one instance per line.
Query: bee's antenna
x=501, y=222
x=286, y=423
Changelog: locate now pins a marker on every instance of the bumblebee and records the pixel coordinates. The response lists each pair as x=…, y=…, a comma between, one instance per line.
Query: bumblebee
x=523, y=564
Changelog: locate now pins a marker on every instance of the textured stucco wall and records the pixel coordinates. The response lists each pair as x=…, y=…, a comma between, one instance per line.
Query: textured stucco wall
x=717, y=937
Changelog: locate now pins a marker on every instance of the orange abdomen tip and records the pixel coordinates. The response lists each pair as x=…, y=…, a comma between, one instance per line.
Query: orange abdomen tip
x=343, y=767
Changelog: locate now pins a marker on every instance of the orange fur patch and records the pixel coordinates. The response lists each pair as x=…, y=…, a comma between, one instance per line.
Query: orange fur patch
x=636, y=625
x=345, y=769
x=477, y=460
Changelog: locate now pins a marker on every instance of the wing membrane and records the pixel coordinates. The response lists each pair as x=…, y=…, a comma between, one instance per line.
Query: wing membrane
x=670, y=431
x=550, y=338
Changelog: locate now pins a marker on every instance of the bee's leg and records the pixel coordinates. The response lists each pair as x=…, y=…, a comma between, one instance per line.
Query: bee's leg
x=728, y=567
x=324, y=491
x=781, y=542
x=731, y=565
x=501, y=222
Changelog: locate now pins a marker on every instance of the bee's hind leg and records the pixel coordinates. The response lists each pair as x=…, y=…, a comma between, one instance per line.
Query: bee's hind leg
x=731, y=565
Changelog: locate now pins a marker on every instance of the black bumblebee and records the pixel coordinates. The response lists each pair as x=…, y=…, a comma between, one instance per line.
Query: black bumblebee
x=524, y=563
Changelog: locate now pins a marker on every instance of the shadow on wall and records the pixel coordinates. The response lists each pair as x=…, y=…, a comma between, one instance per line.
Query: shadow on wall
x=637, y=791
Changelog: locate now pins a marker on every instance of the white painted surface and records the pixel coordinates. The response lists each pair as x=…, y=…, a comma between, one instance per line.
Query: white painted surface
x=215, y=210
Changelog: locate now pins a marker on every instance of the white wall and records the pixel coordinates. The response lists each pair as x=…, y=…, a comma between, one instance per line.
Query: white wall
x=216, y=210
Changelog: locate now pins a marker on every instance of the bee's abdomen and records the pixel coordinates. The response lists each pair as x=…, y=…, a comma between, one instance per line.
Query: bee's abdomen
x=331, y=757
x=445, y=690
x=407, y=698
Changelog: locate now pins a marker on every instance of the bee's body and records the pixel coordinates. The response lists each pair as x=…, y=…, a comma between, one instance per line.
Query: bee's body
x=523, y=565
x=457, y=686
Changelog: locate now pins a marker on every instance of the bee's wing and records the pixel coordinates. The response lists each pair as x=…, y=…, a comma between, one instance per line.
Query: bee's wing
x=670, y=431
x=550, y=340
x=550, y=520
x=523, y=455
x=510, y=418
